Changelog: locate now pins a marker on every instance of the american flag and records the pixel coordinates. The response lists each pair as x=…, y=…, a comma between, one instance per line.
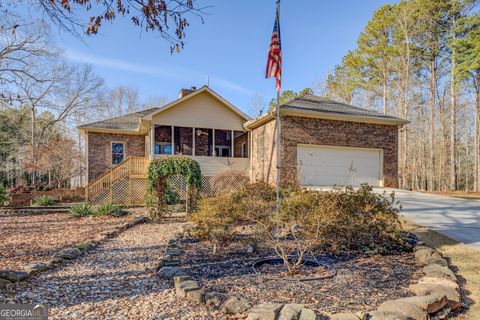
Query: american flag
x=274, y=61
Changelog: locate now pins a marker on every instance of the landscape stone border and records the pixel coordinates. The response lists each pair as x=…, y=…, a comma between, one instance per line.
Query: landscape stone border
x=8, y=277
x=436, y=294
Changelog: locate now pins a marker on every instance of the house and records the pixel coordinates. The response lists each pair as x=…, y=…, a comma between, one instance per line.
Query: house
x=322, y=143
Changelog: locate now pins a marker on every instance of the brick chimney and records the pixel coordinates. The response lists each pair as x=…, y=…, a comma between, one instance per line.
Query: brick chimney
x=184, y=92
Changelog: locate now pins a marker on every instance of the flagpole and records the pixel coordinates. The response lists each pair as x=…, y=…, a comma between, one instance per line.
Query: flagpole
x=277, y=205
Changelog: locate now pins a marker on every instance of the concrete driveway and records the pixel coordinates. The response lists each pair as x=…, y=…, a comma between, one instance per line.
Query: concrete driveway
x=456, y=218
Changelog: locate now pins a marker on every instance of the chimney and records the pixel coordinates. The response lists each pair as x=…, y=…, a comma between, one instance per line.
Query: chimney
x=184, y=92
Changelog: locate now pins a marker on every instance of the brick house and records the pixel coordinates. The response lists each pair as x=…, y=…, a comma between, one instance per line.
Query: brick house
x=322, y=142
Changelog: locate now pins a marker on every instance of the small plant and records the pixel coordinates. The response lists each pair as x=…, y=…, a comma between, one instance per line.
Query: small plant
x=3, y=196
x=109, y=209
x=82, y=210
x=43, y=201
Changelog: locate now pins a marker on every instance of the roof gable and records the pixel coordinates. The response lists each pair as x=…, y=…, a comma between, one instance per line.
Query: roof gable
x=204, y=89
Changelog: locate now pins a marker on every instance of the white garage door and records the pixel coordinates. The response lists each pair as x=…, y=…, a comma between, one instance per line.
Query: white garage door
x=328, y=166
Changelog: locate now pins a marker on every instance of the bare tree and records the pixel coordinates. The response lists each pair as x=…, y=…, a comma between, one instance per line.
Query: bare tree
x=258, y=105
x=169, y=18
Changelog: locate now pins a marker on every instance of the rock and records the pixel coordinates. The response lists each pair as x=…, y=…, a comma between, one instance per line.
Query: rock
x=68, y=254
x=170, y=272
x=344, y=316
x=174, y=252
x=419, y=247
x=438, y=271
x=53, y=261
x=196, y=295
x=290, y=311
x=407, y=309
x=382, y=315
x=179, y=279
x=35, y=268
x=139, y=219
x=308, y=314
x=264, y=311
x=168, y=261
x=439, y=281
x=234, y=305
x=214, y=299
x=13, y=276
x=4, y=283
x=183, y=287
x=429, y=256
x=453, y=296
x=430, y=303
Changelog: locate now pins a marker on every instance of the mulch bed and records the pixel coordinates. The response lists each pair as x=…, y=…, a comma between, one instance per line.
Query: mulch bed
x=362, y=282
x=29, y=239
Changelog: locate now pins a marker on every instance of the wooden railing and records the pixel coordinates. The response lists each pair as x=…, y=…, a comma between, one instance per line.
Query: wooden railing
x=132, y=166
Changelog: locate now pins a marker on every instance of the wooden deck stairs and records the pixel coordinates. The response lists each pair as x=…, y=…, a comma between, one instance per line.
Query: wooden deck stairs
x=124, y=184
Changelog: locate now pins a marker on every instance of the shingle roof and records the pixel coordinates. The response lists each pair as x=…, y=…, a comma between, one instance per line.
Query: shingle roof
x=310, y=102
x=128, y=122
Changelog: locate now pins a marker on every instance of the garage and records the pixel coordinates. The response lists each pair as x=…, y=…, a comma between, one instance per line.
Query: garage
x=325, y=143
x=329, y=165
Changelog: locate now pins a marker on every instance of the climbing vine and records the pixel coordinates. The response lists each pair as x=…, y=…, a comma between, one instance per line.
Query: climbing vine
x=158, y=174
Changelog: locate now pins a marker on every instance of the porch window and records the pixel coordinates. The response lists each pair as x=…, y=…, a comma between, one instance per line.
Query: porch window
x=163, y=140
x=203, y=142
x=118, y=152
x=240, y=144
x=183, y=140
x=223, y=143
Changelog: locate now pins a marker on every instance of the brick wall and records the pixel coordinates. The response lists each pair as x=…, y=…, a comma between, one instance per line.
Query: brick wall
x=338, y=133
x=322, y=132
x=263, y=168
x=100, y=150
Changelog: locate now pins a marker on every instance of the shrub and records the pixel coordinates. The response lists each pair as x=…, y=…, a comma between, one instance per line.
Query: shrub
x=82, y=210
x=3, y=196
x=109, y=209
x=333, y=221
x=43, y=201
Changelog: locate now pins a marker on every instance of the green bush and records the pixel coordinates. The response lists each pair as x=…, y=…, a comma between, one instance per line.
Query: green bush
x=3, y=196
x=43, y=201
x=109, y=209
x=82, y=210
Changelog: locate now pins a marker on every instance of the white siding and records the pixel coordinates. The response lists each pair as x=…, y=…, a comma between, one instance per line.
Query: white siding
x=200, y=111
x=211, y=166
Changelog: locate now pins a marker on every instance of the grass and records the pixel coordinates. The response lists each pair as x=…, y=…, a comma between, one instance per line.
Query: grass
x=464, y=259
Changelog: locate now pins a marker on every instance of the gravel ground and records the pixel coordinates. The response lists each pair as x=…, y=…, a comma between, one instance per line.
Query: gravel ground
x=29, y=239
x=113, y=282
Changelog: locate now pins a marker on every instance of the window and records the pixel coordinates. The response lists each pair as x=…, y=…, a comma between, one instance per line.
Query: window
x=163, y=140
x=118, y=152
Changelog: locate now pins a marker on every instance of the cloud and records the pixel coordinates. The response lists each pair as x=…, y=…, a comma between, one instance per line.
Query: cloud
x=169, y=73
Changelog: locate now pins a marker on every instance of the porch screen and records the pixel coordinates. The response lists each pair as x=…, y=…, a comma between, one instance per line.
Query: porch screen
x=163, y=140
x=223, y=143
x=183, y=140
x=203, y=142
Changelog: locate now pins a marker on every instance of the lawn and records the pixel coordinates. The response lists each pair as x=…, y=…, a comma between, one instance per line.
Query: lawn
x=29, y=239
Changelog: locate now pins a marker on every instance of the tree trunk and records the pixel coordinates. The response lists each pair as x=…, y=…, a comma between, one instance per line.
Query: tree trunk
x=34, y=149
x=476, y=106
x=431, y=121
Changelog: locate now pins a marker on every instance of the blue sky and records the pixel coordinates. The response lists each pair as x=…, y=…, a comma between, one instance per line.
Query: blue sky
x=230, y=48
